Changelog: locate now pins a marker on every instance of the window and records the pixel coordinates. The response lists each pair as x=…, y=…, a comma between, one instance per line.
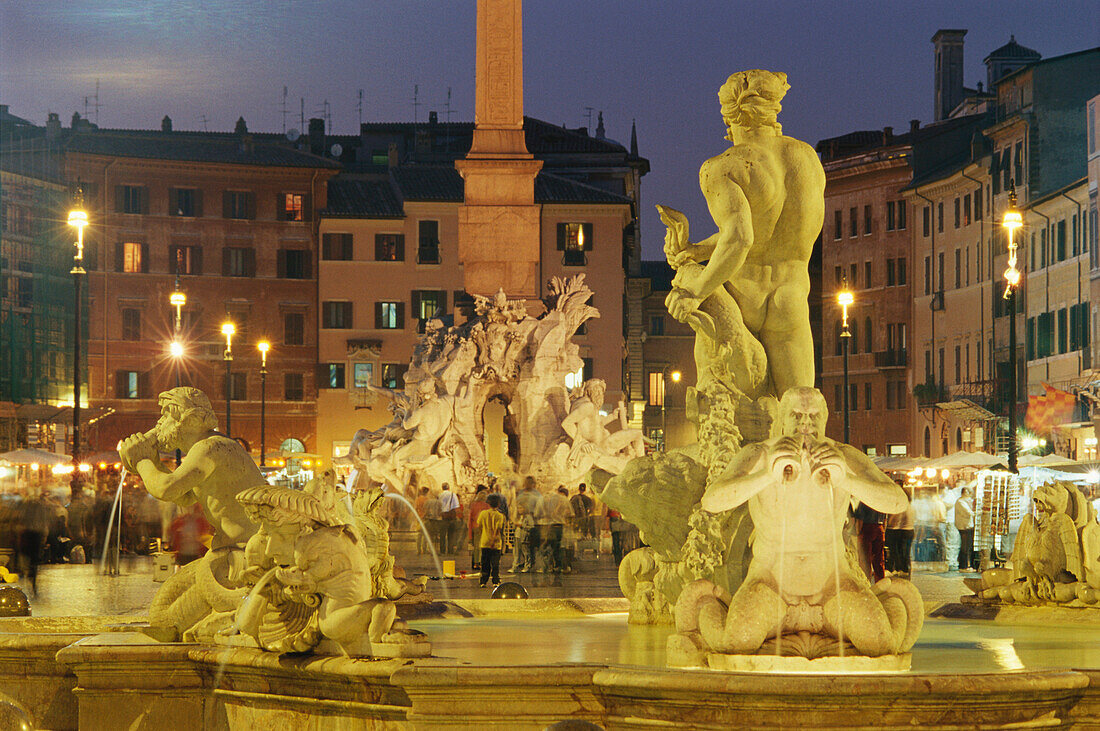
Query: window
x=939, y=217
x=389, y=315
x=926, y=220
x=1092, y=128
x=131, y=257
x=853, y=223
x=853, y=279
x=240, y=204
x=238, y=261
x=389, y=247
x=1063, y=330
x=890, y=401
x=867, y=274
x=1018, y=163
x=131, y=323
x=958, y=268
x=891, y=273
x=868, y=336
x=838, y=338
x=867, y=396
x=853, y=341
x=656, y=325
x=838, y=224
x=185, y=202
x=656, y=388
x=427, y=247
x=891, y=216
x=426, y=304
x=185, y=260
x=336, y=315
x=337, y=247
x=978, y=358
x=331, y=375
x=1060, y=239
x=958, y=364
x=958, y=212
x=978, y=204
x=928, y=376
x=995, y=171
x=837, y=397
x=966, y=210
x=131, y=199
x=293, y=264
x=294, y=328
x=927, y=275
x=939, y=260
x=292, y=207
x=1006, y=168
x=1030, y=339
x=393, y=375
x=293, y=387
x=901, y=272
x=901, y=215
x=362, y=374
x=838, y=274
x=574, y=239
x=867, y=220
x=942, y=370
x=1076, y=246
x=128, y=384
x=853, y=396
x=238, y=386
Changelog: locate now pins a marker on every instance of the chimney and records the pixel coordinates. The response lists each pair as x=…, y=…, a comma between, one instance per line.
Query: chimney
x=53, y=126
x=914, y=125
x=887, y=135
x=433, y=118
x=600, y=133
x=317, y=136
x=949, y=72
x=241, y=127
x=166, y=124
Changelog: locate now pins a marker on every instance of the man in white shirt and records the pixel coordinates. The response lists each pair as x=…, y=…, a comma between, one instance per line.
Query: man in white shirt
x=450, y=508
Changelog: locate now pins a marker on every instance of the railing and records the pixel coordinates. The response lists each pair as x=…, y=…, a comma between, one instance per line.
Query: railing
x=891, y=359
x=927, y=394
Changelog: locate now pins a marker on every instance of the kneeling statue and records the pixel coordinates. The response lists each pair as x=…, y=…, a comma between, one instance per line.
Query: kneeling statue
x=804, y=595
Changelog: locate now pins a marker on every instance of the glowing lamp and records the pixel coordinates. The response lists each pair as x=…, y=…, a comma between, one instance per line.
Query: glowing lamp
x=676, y=376
x=176, y=349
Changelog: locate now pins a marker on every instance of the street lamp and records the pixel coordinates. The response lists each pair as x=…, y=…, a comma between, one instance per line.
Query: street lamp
x=845, y=298
x=177, y=299
x=1012, y=220
x=675, y=376
x=263, y=346
x=228, y=330
x=78, y=219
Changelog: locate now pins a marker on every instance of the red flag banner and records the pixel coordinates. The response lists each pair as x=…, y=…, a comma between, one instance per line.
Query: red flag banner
x=1061, y=405
x=1038, y=414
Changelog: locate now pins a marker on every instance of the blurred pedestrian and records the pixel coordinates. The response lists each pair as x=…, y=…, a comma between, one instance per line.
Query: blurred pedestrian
x=190, y=535
x=872, y=539
x=476, y=507
x=526, y=538
x=421, y=505
x=582, y=505
x=451, y=510
x=964, y=522
x=551, y=515
x=616, y=525
x=81, y=528
x=899, y=536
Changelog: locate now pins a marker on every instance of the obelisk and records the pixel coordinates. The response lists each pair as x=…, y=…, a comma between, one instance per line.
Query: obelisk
x=498, y=222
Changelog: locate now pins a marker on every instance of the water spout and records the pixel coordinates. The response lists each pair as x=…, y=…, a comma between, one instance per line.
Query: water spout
x=116, y=509
x=427, y=538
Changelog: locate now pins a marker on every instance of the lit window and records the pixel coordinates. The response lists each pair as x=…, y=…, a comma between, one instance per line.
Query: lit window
x=656, y=388
x=388, y=318
x=131, y=257
x=292, y=207
x=574, y=239
x=363, y=374
x=332, y=375
x=389, y=247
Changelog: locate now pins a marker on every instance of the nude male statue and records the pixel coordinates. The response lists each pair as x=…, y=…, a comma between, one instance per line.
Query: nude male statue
x=798, y=487
x=594, y=445
x=214, y=469
x=766, y=195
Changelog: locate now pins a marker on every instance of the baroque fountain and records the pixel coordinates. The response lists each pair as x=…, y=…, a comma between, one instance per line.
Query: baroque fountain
x=746, y=607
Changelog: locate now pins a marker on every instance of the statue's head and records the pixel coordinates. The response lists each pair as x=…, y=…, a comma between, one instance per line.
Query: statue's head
x=803, y=411
x=426, y=389
x=594, y=389
x=183, y=410
x=751, y=100
x=1049, y=499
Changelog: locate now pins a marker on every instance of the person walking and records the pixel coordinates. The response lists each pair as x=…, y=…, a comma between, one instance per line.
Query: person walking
x=872, y=538
x=551, y=514
x=421, y=506
x=615, y=524
x=964, y=522
x=433, y=518
x=490, y=540
x=451, y=510
x=526, y=530
x=582, y=505
x=476, y=508
x=899, y=537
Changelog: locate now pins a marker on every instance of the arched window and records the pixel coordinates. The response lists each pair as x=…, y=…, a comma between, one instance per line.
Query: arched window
x=867, y=336
x=927, y=442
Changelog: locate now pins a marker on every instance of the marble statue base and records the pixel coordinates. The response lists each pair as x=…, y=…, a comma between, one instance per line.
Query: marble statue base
x=801, y=665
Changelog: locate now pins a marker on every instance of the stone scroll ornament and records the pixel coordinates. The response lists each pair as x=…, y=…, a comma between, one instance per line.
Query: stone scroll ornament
x=1056, y=555
x=744, y=291
x=507, y=355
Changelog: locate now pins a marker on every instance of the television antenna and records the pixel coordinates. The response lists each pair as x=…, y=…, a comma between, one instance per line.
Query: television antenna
x=285, y=110
x=416, y=102
x=359, y=106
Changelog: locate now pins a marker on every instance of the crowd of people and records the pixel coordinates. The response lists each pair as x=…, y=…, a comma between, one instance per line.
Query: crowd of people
x=924, y=531
x=543, y=528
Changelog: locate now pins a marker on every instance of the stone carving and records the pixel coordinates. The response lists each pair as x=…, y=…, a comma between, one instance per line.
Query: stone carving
x=803, y=595
x=318, y=574
x=744, y=292
x=213, y=471
x=1056, y=556
x=507, y=355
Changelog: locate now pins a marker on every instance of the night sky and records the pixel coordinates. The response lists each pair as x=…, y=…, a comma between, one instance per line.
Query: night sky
x=851, y=65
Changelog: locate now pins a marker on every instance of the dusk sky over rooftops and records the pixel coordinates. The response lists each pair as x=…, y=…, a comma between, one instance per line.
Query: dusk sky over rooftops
x=851, y=65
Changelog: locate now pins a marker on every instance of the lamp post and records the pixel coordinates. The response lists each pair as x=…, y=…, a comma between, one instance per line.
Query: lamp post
x=845, y=298
x=674, y=376
x=1012, y=220
x=263, y=346
x=78, y=219
x=228, y=330
x=177, y=299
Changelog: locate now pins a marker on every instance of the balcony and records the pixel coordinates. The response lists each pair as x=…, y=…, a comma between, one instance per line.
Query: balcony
x=929, y=394
x=891, y=359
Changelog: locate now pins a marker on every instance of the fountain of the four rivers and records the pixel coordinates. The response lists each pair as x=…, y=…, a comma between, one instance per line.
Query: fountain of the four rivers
x=747, y=608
